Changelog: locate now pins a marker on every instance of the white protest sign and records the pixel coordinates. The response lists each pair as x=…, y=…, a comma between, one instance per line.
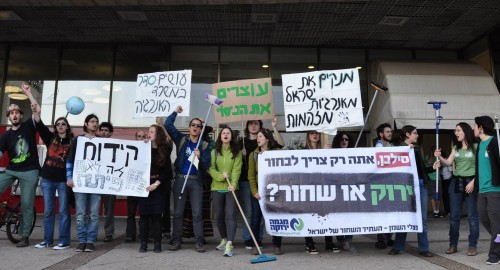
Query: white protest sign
x=112, y=166
x=343, y=191
x=322, y=100
x=159, y=93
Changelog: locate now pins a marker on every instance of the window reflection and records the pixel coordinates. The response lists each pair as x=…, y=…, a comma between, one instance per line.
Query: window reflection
x=239, y=63
x=202, y=60
x=291, y=60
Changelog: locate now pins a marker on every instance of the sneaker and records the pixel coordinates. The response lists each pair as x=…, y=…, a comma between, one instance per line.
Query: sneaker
x=436, y=215
x=80, y=248
x=332, y=248
x=380, y=245
x=248, y=244
x=200, y=248
x=222, y=245
x=175, y=246
x=60, y=247
x=311, y=249
x=492, y=261
x=24, y=242
x=228, y=251
x=471, y=251
x=108, y=238
x=43, y=245
x=89, y=247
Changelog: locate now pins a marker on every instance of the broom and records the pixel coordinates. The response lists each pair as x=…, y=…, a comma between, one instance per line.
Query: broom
x=262, y=257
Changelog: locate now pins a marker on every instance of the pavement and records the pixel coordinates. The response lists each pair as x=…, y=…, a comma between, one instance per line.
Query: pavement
x=121, y=255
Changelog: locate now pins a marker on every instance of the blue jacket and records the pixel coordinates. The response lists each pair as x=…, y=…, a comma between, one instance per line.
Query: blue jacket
x=177, y=136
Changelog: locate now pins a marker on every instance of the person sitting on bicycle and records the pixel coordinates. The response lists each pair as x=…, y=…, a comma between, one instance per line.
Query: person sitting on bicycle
x=54, y=179
x=20, y=143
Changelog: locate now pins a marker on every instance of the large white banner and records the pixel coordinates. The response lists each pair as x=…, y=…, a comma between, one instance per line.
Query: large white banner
x=339, y=191
x=159, y=93
x=112, y=166
x=322, y=100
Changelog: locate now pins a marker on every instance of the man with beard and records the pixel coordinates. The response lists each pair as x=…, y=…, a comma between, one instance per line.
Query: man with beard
x=384, y=133
x=20, y=144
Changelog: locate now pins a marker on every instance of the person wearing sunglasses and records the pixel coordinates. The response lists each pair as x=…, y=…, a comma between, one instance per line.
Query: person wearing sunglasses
x=20, y=143
x=53, y=175
x=384, y=133
x=186, y=145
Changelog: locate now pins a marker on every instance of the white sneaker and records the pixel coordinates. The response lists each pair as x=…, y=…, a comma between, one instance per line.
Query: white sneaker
x=43, y=245
x=60, y=247
x=222, y=245
x=228, y=251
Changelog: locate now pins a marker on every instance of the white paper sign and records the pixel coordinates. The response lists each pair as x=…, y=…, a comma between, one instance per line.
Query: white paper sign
x=159, y=93
x=112, y=166
x=322, y=100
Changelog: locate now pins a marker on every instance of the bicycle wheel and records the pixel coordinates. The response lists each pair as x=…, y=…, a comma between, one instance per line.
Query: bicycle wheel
x=14, y=224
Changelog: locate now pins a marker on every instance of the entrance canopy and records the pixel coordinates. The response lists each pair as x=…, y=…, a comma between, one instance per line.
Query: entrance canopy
x=469, y=90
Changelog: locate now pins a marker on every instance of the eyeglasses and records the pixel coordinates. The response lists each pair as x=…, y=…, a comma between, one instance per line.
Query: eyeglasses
x=345, y=139
x=61, y=124
x=197, y=125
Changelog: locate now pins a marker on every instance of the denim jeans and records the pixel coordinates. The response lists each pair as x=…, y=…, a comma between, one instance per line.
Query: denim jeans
x=257, y=223
x=195, y=192
x=423, y=241
x=456, y=213
x=246, y=204
x=49, y=199
x=87, y=231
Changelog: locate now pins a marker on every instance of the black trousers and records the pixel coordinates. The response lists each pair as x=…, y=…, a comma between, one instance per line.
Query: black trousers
x=131, y=230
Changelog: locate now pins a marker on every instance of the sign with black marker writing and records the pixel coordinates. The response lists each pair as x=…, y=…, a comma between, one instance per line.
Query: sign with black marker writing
x=322, y=100
x=244, y=100
x=159, y=93
x=112, y=166
x=339, y=191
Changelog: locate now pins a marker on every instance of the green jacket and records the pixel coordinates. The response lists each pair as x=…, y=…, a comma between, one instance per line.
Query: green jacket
x=253, y=170
x=225, y=163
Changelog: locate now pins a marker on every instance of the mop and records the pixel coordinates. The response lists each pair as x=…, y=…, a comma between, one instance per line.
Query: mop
x=262, y=257
x=212, y=100
x=437, y=106
x=378, y=88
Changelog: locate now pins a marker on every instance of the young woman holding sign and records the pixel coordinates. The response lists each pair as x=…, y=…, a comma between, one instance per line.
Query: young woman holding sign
x=151, y=207
x=265, y=141
x=409, y=135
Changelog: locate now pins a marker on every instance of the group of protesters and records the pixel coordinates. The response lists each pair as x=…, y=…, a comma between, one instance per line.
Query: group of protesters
x=228, y=165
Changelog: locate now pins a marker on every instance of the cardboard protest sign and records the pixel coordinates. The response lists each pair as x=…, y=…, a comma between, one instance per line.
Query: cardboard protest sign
x=112, y=166
x=159, y=93
x=322, y=100
x=339, y=191
x=244, y=100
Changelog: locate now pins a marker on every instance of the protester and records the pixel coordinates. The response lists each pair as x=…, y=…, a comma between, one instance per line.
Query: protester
x=341, y=140
x=151, y=207
x=20, y=143
x=409, y=137
x=462, y=187
x=106, y=131
x=186, y=145
x=248, y=145
x=384, y=133
x=446, y=175
x=429, y=161
x=313, y=141
x=265, y=141
x=131, y=229
x=86, y=231
x=54, y=179
x=225, y=165
x=487, y=183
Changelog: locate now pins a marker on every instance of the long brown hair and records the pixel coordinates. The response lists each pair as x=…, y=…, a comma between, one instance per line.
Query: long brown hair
x=69, y=133
x=309, y=143
x=163, y=142
x=271, y=144
x=235, y=149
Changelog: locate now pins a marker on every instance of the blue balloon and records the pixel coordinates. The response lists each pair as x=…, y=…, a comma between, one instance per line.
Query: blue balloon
x=75, y=105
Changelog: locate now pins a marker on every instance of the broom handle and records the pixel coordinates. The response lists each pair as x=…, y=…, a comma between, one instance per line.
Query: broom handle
x=245, y=219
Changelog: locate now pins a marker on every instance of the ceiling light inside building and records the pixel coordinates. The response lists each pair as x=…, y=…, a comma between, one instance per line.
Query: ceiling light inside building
x=115, y=88
x=101, y=100
x=311, y=67
x=18, y=96
x=9, y=15
x=91, y=92
x=265, y=66
x=12, y=89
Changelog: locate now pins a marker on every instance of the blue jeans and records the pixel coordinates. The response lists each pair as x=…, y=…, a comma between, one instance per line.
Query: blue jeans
x=87, y=231
x=195, y=192
x=456, y=213
x=246, y=205
x=49, y=195
x=423, y=241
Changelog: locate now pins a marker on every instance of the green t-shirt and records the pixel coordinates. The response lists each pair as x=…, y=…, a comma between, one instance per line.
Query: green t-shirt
x=484, y=169
x=465, y=162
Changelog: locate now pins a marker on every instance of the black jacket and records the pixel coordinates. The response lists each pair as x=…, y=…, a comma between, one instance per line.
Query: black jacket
x=492, y=150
